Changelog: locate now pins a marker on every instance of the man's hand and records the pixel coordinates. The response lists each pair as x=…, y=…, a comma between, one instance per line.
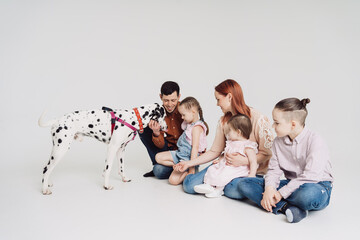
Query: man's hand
x=155, y=127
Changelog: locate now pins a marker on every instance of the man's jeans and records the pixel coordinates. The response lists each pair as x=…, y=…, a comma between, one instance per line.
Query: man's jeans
x=160, y=171
x=309, y=196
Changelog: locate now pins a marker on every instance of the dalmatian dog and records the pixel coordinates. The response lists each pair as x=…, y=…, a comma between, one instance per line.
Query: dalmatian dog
x=98, y=124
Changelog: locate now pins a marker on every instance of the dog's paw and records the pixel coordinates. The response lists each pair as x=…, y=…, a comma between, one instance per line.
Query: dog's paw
x=125, y=179
x=108, y=188
x=47, y=192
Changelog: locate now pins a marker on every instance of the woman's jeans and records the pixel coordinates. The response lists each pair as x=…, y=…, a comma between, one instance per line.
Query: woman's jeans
x=160, y=171
x=309, y=196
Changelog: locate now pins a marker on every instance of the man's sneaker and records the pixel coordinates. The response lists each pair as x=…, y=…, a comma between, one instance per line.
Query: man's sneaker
x=295, y=214
x=149, y=174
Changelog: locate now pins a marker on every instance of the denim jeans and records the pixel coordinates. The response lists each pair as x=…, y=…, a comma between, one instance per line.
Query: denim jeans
x=230, y=189
x=309, y=196
x=192, y=180
x=160, y=171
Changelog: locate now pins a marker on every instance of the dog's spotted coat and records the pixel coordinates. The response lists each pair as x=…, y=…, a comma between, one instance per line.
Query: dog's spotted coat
x=97, y=124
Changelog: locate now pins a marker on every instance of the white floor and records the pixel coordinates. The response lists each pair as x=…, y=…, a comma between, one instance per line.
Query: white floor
x=80, y=208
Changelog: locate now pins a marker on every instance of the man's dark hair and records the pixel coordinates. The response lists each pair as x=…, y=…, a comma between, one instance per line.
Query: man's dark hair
x=169, y=87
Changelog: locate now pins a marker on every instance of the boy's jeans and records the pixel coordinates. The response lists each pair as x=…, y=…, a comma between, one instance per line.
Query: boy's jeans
x=309, y=196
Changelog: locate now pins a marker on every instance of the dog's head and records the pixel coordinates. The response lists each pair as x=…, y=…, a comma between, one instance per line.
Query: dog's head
x=154, y=112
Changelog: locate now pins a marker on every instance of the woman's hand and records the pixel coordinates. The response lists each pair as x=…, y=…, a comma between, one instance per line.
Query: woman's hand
x=236, y=160
x=181, y=166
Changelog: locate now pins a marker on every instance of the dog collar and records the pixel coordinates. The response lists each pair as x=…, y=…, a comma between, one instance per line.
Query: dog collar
x=141, y=126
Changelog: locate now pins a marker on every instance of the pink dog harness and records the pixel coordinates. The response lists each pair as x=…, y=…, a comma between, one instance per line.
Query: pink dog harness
x=114, y=118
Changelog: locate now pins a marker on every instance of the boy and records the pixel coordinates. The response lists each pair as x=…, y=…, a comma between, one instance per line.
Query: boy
x=303, y=157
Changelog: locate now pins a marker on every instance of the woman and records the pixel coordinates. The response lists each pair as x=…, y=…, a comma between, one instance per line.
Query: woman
x=230, y=99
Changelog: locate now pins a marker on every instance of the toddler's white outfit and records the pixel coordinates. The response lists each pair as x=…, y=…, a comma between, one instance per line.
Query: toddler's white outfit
x=220, y=174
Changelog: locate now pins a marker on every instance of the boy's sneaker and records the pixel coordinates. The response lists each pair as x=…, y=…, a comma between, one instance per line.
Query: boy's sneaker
x=215, y=194
x=204, y=188
x=295, y=214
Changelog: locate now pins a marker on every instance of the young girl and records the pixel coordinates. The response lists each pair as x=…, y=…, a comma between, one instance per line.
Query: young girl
x=237, y=131
x=192, y=141
x=303, y=157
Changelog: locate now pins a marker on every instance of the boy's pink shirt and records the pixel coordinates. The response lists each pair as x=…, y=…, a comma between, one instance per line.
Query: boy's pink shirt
x=306, y=159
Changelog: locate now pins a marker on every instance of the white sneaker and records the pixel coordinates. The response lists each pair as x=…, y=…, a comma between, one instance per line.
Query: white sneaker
x=204, y=188
x=215, y=194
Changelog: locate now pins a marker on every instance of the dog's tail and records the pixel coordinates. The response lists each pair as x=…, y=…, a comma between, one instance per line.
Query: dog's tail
x=42, y=122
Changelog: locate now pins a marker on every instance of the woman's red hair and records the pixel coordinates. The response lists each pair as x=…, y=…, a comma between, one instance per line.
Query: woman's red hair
x=237, y=100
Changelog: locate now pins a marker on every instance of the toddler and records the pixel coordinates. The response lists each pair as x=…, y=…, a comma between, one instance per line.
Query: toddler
x=237, y=131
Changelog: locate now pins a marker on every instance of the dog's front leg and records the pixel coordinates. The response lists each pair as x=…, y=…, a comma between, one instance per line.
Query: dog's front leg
x=120, y=157
x=108, y=164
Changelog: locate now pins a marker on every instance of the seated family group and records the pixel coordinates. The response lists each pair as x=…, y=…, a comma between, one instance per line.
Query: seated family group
x=247, y=162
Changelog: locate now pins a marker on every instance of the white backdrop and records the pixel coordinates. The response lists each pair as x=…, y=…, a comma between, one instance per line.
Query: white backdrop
x=72, y=55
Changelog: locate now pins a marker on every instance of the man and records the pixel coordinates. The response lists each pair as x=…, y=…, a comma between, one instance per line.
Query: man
x=157, y=141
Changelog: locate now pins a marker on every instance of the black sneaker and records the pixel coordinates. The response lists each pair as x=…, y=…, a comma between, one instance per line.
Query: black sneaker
x=149, y=174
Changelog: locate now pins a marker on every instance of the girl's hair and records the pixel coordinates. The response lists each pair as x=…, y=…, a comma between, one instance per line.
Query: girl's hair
x=237, y=101
x=190, y=102
x=241, y=122
x=295, y=108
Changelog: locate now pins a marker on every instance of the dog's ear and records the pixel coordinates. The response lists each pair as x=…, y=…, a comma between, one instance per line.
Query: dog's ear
x=158, y=112
x=153, y=115
x=162, y=112
x=155, y=118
